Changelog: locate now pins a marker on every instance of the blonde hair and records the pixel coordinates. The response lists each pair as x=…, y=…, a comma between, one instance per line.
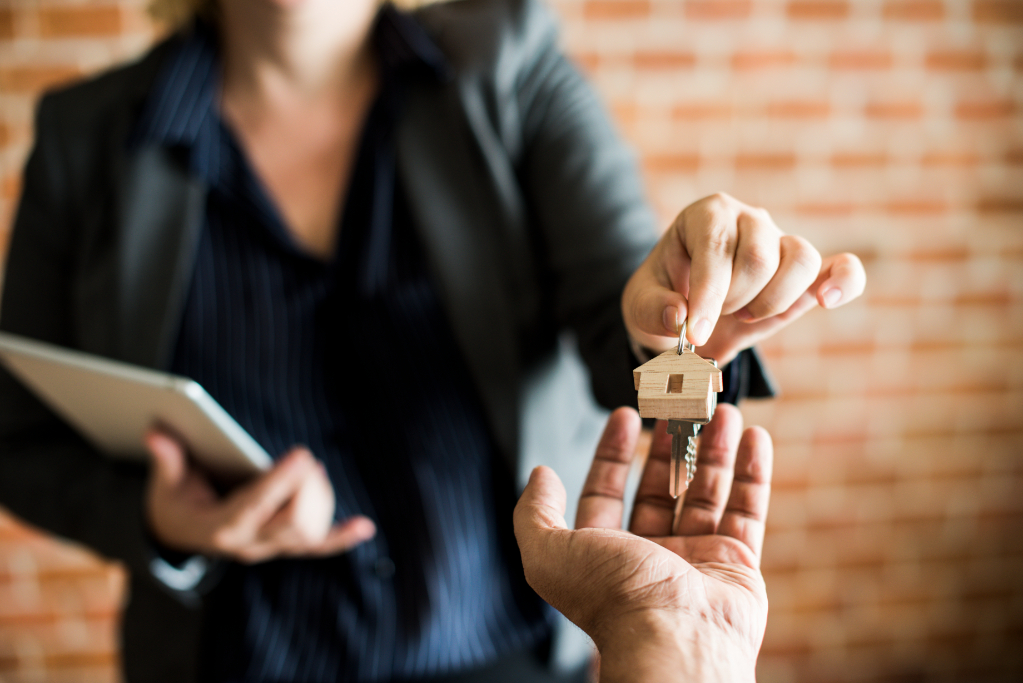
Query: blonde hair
x=177, y=12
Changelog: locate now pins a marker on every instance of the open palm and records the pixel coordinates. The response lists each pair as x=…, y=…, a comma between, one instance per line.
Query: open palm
x=700, y=567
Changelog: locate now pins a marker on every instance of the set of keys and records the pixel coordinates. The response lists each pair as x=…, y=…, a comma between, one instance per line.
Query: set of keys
x=680, y=387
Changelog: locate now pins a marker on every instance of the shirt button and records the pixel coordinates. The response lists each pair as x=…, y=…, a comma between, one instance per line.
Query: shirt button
x=384, y=567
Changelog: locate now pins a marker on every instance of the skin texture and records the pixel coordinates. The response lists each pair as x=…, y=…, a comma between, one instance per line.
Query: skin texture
x=735, y=275
x=688, y=605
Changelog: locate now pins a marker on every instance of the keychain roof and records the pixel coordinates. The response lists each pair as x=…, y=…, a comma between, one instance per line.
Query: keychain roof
x=678, y=385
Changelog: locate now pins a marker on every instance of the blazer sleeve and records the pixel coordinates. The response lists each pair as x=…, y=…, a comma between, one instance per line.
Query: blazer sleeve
x=583, y=187
x=49, y=476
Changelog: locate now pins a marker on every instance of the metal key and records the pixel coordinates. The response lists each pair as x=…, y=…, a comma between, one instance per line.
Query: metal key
x=682, y=432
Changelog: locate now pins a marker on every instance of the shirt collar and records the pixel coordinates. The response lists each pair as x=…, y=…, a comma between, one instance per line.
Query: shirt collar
x=182, y=102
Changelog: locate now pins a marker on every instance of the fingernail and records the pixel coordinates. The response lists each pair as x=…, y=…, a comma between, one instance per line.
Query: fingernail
x=832, y=297
x=743, y=315
x=671, y=319
x=701, y=330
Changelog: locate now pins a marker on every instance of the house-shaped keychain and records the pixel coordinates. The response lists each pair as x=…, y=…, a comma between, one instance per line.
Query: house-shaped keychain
x=678, y=386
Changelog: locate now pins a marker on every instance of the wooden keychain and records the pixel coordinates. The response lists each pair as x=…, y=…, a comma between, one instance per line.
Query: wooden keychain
x=680, y=387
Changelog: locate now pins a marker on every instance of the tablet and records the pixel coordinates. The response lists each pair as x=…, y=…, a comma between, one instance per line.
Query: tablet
x=113, y=404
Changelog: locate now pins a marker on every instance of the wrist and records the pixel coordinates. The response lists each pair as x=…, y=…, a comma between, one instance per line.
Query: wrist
x=669, y=647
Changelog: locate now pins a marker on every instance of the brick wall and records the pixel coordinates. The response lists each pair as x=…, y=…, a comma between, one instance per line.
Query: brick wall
x=892, y=128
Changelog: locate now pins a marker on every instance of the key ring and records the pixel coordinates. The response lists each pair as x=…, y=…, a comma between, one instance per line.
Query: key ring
x=683, y=345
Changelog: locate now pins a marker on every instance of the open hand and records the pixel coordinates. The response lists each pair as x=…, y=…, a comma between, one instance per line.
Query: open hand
x=287, y=511
x=661, y=603
x=727, y=267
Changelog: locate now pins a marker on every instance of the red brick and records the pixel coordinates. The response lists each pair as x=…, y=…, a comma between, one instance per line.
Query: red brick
x=817, y=9
x=776, y=161
x=701, y=111
x=894, y=110
x=6, y=23
x=587, y=61
x=918, y=206
x=998, y=11
x=858, y=159
x=830, y=209
x=74, y=20
x=672, y=163
x=663, y=59
x=956, y=60
x=749, y=61
x=947, y=158
x=32, y=79
x=985, y=109
x=914, y=10
x=861, y=59
x=799, y=110
x=993, y=205
x=10, y=186
x=616, y=9
x=718, y=9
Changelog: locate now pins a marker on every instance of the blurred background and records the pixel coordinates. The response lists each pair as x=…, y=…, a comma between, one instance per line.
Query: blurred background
x=890, y=128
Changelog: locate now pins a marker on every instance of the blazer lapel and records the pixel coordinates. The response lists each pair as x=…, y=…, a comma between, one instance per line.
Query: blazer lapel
x=160, y=219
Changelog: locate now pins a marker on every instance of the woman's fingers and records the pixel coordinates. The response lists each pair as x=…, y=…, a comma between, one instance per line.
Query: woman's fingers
x=250, y=507
x=170, y=463
x=799, y=266
x=715, y=464
x=746, y=512
x=708, y=232
x=602, y=500
x=654, y=509
x=757, y=258
x=842, y=279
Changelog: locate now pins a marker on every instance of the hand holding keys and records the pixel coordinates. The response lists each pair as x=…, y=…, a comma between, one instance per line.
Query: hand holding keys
x=680, y=387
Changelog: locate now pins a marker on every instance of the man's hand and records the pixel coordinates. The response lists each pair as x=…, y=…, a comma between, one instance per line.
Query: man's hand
x=288, y=511
x=660, y=604
x=737, y=277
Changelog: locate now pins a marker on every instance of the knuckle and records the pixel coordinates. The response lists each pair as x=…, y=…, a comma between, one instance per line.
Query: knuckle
x=803, y=254
x=759, y=260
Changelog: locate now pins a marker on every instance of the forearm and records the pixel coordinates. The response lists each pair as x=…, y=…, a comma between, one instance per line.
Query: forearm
x=660, y=649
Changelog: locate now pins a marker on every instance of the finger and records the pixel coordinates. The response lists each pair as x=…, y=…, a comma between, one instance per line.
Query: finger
x=345, y=535
x=305, y=518
x=799, y=266
x=603, y=497
x=654, y=509
x=715, y=463
x=541, y=505
x=653, y=303
x=841, y=280
x=252, y=506
x=757, y=258
x=746, y=511
x=708, y=231
x=170, y=463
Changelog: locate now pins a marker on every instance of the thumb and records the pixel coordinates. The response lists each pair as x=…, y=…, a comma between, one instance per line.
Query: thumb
x=345, y=535
x=652, y=310
x=541, y=506
x=168, y=458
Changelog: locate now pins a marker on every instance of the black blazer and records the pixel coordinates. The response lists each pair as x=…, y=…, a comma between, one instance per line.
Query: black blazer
x=530, y=211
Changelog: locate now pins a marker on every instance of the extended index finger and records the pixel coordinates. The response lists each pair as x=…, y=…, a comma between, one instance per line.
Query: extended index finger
x=602, y=500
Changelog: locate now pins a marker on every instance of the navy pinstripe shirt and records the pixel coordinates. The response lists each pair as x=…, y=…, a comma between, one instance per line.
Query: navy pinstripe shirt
x=355, y=359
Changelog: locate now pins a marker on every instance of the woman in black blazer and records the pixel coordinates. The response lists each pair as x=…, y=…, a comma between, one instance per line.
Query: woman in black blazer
x=435, y=198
